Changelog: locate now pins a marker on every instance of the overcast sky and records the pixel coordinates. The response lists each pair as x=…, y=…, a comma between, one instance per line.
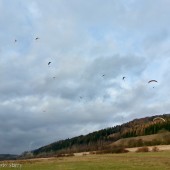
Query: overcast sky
x=92, y=45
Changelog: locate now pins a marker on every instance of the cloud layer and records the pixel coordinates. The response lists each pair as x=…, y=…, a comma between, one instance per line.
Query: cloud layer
x=91, y=45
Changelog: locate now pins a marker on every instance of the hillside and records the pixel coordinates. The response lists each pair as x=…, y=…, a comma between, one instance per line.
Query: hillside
x=99, y=139
x=148, y=140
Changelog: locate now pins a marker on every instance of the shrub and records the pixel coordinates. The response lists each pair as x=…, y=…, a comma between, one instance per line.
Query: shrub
x=114, y=149
x=155, y=149
x=93, y=152
x=143, y=149
x=119, y=150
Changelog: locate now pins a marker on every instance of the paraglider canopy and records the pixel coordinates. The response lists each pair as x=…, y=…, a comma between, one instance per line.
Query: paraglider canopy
x=158, y=118
x=152, y=81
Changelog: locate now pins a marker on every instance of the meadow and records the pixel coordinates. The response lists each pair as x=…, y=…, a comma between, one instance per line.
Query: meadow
x=125, y=161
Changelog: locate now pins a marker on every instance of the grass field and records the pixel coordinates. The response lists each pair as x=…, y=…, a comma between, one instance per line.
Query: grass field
x=126, y=161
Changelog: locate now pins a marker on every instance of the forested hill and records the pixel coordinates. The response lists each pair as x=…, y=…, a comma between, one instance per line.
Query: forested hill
x=96, y=140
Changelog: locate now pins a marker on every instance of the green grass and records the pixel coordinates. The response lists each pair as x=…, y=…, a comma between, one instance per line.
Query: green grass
x=127, y=161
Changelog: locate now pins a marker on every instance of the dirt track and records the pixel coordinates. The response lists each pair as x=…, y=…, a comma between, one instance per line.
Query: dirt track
x=160, y=147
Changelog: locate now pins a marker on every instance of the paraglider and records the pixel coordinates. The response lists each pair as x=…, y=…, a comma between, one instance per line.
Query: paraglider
x=152, y=81
x=158, y=118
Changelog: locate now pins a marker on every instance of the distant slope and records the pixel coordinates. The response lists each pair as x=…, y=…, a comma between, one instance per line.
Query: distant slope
x=97, y=140
x=8, y=157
